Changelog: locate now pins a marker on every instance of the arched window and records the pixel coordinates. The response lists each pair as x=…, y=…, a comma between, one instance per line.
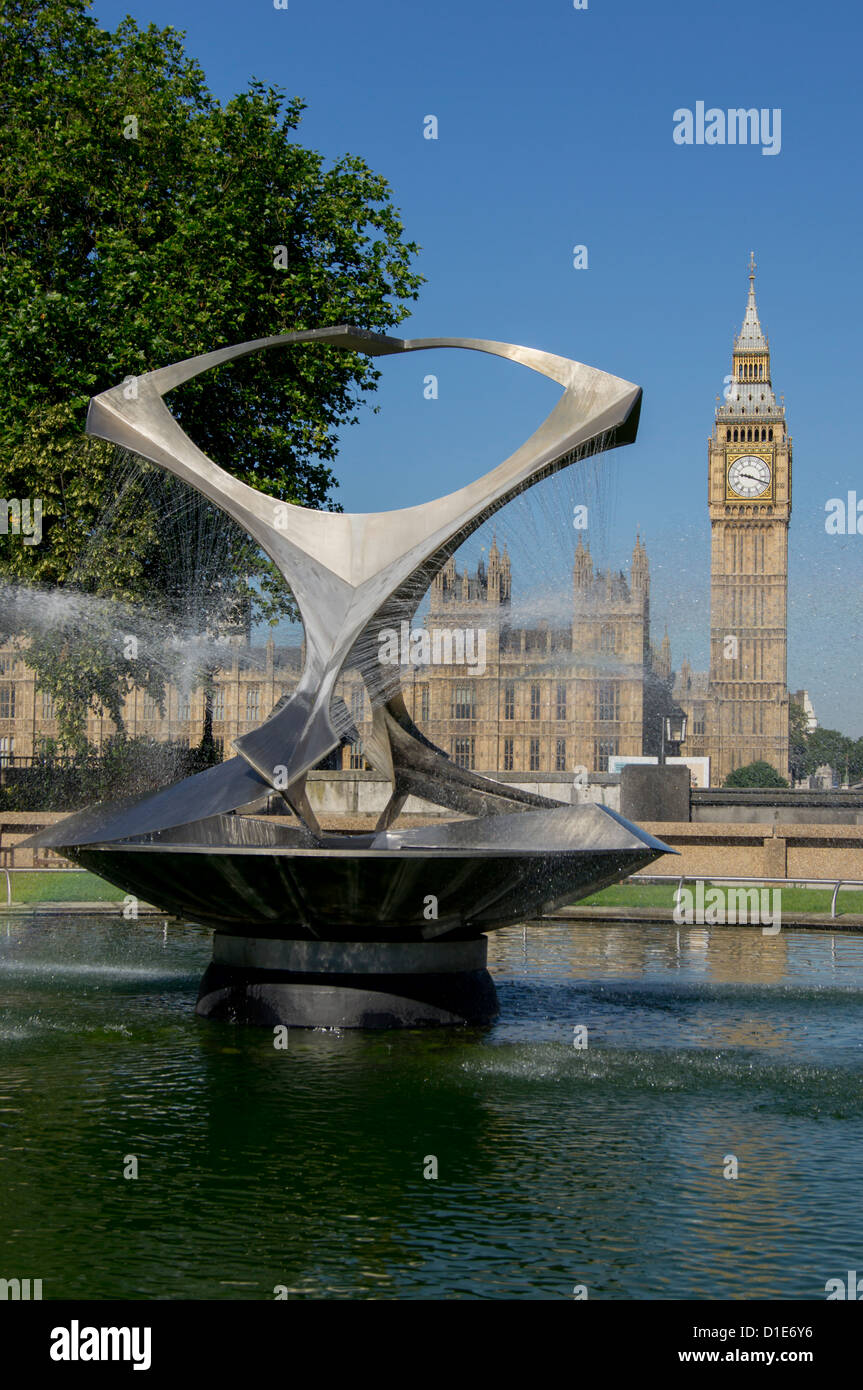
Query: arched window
x=728, y=433
x=770, y=433
x=735, y=434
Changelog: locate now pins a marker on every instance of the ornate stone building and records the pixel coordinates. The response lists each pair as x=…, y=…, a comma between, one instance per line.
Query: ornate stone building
x=738, y=710
x=245, y=691
x=544, y=698
x=495, y=697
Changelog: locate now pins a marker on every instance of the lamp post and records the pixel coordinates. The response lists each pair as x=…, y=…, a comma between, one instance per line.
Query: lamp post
x=673, y=730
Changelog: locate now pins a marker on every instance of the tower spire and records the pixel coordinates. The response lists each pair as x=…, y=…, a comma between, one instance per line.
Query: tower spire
x=751, y=338
x=583, y=566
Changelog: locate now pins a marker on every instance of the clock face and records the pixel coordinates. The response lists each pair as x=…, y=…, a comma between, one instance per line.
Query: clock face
x=749, y=476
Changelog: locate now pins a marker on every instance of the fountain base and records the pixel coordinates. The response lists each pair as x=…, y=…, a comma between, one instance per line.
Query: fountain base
x=347, y=984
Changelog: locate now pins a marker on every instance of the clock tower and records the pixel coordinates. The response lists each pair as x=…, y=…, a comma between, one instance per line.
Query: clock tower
x=749, y=500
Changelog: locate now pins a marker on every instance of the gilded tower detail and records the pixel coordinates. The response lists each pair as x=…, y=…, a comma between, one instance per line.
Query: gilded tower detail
x=740, y=715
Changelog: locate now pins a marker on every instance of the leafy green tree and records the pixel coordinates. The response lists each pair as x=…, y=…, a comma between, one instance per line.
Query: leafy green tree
x=831, y=747
x=757, y=774
x=143, y=221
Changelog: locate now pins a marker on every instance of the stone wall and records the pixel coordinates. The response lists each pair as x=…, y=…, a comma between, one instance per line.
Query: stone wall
x=789, y=850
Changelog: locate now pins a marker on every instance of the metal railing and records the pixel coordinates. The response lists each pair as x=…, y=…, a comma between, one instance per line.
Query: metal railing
x=13, y=869
x=727, y=880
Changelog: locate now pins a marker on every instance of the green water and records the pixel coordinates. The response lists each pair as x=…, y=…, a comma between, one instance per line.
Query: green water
x=556, y=1166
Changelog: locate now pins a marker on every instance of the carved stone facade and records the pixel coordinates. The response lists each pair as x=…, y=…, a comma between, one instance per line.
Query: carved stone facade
x=245, y=692
x=548, y=698
x=506, y=698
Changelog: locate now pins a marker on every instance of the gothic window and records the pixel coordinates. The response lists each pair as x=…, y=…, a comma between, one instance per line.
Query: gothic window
x=607, y=639
x=770, y=433
x=728, y=433
x=463, y=749
x=735, y=434
x=424, y=701
x=698, y=720
x=535, y=701
x=509, y=700
x=534, y=755
x=507, y=755
x=7, y=749
x=184, y=705
x=219, y=702
x=561, y=700
x=463, y=703
x=355, y=756
x=7, y=702
x=253, y=702
x=47, y=705
x=603, y=749
x=607, y=701
x=560, y=756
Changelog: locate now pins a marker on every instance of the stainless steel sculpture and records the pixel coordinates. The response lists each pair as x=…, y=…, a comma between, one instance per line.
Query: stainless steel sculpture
x=316, y=928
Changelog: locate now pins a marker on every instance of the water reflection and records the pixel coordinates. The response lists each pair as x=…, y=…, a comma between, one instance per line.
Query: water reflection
x=304, y=1168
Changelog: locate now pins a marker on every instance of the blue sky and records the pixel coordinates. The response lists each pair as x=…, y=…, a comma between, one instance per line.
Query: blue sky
x=555, y=130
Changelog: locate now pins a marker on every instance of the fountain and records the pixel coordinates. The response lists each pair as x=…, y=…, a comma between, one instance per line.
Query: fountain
x=379, y=929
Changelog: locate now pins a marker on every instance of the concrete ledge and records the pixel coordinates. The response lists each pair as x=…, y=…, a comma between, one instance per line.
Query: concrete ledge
x=784, y=850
